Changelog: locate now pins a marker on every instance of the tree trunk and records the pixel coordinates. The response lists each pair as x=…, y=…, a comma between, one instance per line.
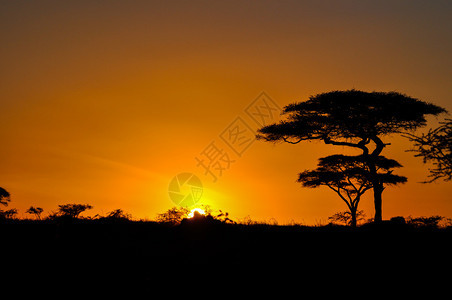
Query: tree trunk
x=353, y=214
x=378, y=190
x=377, y=185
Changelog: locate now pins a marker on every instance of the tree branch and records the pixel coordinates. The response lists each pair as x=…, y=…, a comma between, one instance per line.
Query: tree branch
x=290, y=142
x=360, y=145
x=340, y=195
x=379, y=146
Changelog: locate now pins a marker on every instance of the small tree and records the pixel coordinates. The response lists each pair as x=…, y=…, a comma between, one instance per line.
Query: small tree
x=345, y=217
x=73, y=210
x=350, y=178
x=36, y=211
x=435, y=146
x=4, y=197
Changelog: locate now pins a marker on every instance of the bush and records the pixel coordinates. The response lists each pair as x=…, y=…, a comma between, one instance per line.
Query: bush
x=345, y=217
x=430, y=222
x=173, y=215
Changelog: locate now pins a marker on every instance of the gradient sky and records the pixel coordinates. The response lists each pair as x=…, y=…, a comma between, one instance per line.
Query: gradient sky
x=104, y=102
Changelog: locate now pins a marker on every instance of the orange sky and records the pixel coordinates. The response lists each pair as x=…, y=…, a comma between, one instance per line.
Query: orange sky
x=103, y=102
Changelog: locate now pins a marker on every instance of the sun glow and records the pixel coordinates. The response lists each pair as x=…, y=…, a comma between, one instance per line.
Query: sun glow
x=199, y=210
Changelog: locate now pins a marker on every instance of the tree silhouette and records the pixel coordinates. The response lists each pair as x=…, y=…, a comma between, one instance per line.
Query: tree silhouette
x=4, y=200
x=436, y=146
x=354, y=119
x=35, y=211
x=73, y=210
x=346, y=217
x=8, y=214
x=350, y=177
x=4, y=197
x=118, y=214
x=173, y=215
x=429, y=222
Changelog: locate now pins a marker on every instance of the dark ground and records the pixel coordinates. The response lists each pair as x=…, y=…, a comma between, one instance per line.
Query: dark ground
x=81, y=253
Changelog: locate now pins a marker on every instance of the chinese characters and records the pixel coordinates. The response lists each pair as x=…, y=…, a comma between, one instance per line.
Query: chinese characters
x=238, y=136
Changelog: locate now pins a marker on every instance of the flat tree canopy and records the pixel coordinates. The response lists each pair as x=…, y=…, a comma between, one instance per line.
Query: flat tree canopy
x=349, y=115
x=350, y=177
x=348, y=172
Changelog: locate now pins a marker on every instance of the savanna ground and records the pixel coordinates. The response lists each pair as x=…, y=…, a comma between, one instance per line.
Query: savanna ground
x=80, y=253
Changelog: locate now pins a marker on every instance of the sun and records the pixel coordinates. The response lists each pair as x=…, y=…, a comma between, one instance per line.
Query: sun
x=192, y=212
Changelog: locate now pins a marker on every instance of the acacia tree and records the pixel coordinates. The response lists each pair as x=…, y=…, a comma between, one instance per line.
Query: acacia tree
x=435, y=146
x=73, y=210
x=354, y=119
x=37, y=211
x=350, y=178
x=4, y=197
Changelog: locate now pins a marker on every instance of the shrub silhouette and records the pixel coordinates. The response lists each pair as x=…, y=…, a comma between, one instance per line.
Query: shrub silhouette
x=173, y=215
x=345, y=217
x=117, y=215
x=425, y=222
x=8, y=214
